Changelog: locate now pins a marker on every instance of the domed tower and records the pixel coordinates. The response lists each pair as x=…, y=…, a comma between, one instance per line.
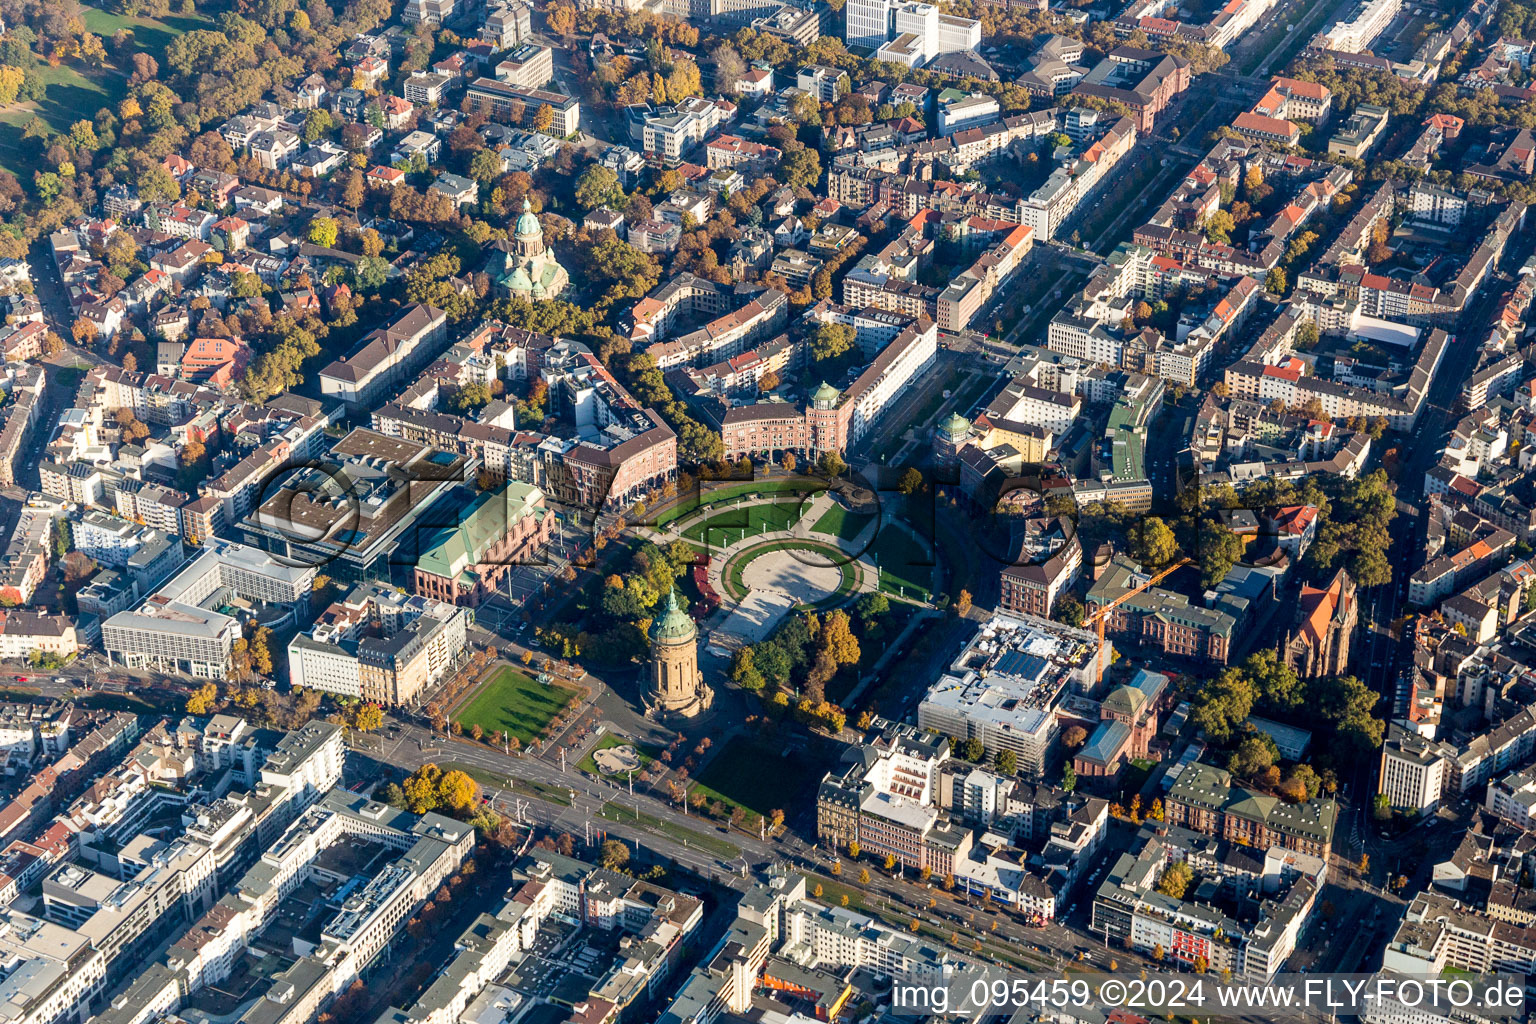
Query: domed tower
x=677, y=686
x=949, y=437
x=825, y=397
x=528, y=236
x=826, y=422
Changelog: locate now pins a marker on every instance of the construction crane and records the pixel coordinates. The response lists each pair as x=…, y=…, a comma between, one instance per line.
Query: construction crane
x=1099, y=617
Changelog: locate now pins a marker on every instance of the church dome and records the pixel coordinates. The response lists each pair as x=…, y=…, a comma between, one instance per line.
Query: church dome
x=520, y=281
x=528, y=224
x=674, y=625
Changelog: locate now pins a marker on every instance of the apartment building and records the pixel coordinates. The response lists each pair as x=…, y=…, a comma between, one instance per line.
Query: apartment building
x=1277, y=896
x=1047, y=561
x=673, y=132
x=832, y=420
x=1356, y=32
x=527, y=67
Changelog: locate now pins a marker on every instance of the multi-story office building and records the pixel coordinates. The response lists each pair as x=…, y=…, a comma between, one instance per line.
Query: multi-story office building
x=873, y=23
x=387, y=357
x=1205, y=799
x=1004, y=687
x=512, y=104
x=380, y=645
x=179, y=627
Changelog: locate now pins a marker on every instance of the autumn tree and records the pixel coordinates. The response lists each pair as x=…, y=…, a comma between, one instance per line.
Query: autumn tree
x=324, y=231
x=837, y=640
x=202, y=699
x=614, y=856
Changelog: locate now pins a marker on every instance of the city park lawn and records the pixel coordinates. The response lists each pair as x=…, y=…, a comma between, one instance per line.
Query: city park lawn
x=514, y=702
x=756, y=776
x=903, y=563
x=152, y=35
x=726, y=527
x=71, y=97
x=712, y=493
x=839, y=522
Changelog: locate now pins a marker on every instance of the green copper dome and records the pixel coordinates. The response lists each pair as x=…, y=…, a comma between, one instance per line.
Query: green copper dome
x=956, y=425
x=528, y=224
x=674, y=625
x=825, y=393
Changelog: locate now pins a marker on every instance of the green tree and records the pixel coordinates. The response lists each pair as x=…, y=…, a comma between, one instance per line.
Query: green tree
x=831, y=464
x=1155, y=542
x=599, y=186
x=1219, y=550
x=370, y=273
x=831, y=341
x=744, y=671
x=1254, y=756
x=1219, y=227
x=485, y=167
x=1223, y=704
x=1007, y=762
x=911, y=481
x=800, y=168
x=615, y=855
x=470, y=398
x=1069, y=610
x=318, y=122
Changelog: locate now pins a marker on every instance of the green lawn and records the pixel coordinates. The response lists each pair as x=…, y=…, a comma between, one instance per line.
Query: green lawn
x=839, y=522
x=714, y=494
x=757, y=777
x=588, y=765
x=903, y=564
x=698, y=840
x=153, y=35
x=514, y=702
x=71, y=96
x=726, y=527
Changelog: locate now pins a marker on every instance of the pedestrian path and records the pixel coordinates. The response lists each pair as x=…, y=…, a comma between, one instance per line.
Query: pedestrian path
x=865, y=576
